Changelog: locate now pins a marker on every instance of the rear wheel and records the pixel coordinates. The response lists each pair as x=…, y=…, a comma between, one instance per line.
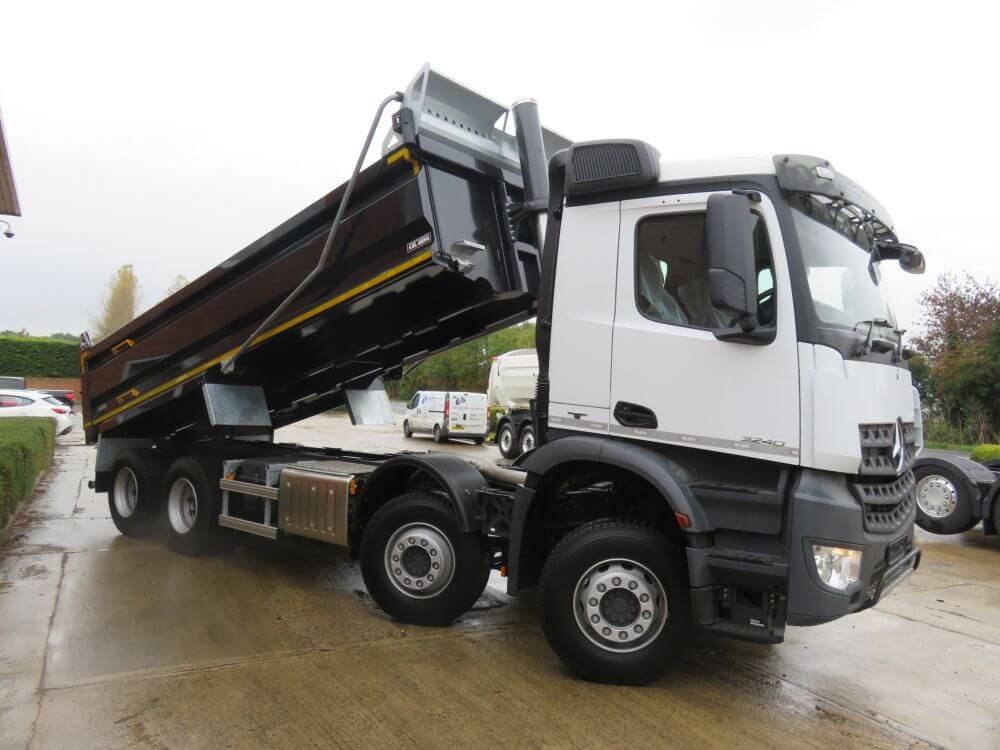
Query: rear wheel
x=615, y=602
x=506, y=442
x=418, y=565
x=192, y=503
x=438, y=435
x=407, y=432
x=134, y=493
x=527, y=438
x=944, y=503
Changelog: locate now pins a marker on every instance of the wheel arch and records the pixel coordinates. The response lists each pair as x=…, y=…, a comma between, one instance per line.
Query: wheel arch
x=662, y=475
x=450, y=475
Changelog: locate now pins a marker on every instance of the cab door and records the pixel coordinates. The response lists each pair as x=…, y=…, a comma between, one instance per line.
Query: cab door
x=672, y=380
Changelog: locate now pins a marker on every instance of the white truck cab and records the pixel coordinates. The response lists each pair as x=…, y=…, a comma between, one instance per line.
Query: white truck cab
x=746, y=343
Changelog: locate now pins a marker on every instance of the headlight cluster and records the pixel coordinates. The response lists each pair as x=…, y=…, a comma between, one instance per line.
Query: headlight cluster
x=837, y=567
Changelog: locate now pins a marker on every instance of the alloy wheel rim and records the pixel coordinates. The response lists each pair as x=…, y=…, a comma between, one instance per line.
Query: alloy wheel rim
x=527, y=442
x=182, y=505
x=937, y=496
x=620, y=605
x=126, y=491
x=419, y=560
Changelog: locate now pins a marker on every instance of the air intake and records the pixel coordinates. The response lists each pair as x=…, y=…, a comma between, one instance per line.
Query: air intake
x=611, y=165
x=601, y=161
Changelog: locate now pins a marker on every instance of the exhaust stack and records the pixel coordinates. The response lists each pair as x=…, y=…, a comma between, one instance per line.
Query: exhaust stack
x=534, y=163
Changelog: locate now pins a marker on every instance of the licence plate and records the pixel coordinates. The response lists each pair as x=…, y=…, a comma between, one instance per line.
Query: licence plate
x=458, y=427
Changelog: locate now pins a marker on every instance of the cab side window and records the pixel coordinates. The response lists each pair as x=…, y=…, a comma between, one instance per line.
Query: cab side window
x=414, y=401
x=672, y=272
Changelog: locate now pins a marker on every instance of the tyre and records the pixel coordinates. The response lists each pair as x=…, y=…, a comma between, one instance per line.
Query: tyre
x=505, y=441
x=418, y=565
x=527, y=441
x=438, y=434
x=191, y=506
x=407, y=432
x=134, y=496
x=615, y=602
x=944, y=502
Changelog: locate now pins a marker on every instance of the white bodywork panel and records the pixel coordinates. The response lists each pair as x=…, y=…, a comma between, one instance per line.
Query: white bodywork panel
x=584, y=306
x=837, y=396
x=706, y=393
x=513, y=377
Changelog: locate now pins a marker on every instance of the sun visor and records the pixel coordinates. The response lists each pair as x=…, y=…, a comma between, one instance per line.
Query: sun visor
x=798, y=173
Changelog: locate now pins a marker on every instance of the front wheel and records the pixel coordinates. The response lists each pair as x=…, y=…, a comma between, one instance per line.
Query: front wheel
x=417, y=563
x=615, y=602
x=944, y=503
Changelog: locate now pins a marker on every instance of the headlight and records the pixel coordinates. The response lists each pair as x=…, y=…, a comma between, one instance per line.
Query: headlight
x=837, y=567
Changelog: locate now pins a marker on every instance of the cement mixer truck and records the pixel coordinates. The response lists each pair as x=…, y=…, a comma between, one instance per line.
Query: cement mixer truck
x=511, y=389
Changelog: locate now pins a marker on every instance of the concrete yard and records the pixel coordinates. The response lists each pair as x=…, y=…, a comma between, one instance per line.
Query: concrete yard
x=110, y=642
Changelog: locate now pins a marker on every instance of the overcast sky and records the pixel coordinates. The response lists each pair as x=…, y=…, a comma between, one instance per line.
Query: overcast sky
x=171, y=139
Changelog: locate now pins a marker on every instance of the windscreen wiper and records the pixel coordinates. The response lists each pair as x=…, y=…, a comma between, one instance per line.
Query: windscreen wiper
x=866, y=345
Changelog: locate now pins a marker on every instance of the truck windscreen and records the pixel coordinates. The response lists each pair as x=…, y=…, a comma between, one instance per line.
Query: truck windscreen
x=843, y=282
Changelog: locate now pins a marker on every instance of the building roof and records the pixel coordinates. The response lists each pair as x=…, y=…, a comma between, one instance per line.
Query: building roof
x=8, y=193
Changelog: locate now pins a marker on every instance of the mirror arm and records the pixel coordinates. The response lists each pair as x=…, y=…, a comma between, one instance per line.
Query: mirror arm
x=758, y=336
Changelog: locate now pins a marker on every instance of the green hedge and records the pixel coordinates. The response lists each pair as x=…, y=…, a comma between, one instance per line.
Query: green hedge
x=26, y=445
x=985, y=452
x=40, y=358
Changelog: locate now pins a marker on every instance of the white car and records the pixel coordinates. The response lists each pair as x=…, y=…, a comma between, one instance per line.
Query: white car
x=447, y=414
x=36, y=404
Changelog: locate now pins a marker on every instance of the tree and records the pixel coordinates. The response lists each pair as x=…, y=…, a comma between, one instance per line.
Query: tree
x=958, y=362
x=65, y=337
x=119, y=304
x=970, y=384
x=957, y=313
x=465, y=367
x=180, y=281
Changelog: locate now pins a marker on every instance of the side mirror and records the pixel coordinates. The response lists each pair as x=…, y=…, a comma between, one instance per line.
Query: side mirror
x=732, y=276
x=910, y=259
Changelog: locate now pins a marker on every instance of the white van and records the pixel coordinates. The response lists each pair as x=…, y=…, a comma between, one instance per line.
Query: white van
x=447, y=414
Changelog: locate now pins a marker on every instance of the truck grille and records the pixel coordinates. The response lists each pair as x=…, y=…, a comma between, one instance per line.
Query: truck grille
x=877, y=444
x=887, y=505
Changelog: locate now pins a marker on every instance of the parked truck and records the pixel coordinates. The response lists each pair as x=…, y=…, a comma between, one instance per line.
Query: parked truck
x=724, y=421
x=511, y=389
x=955, y=493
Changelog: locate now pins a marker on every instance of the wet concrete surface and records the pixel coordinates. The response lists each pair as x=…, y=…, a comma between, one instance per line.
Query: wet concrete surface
x=112, y=642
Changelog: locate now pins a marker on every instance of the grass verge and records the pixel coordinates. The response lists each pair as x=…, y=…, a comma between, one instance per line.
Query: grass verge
x=939, y=446
x=985, y=452
x=26, y=445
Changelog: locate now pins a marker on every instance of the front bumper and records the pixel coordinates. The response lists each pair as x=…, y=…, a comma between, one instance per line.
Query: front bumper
x=825, y=510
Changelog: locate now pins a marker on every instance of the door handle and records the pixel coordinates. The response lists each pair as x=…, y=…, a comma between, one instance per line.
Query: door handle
x=634, y=415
